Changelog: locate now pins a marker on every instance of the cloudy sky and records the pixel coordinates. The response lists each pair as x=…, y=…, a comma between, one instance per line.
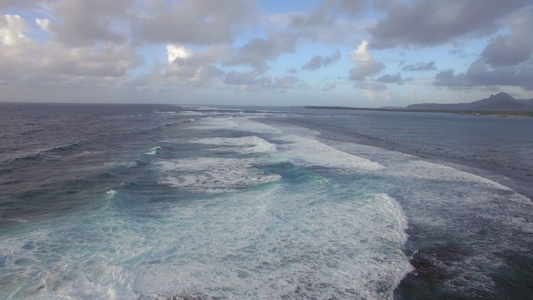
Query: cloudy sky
x=366, y=53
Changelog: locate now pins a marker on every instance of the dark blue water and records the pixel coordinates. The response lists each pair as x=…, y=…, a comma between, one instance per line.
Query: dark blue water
x=164, y=202
x=53, y=156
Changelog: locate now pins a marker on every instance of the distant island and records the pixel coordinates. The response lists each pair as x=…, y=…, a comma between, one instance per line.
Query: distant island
x=501, y=104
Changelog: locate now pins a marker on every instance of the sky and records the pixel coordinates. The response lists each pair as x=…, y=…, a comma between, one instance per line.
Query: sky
x=361, y=53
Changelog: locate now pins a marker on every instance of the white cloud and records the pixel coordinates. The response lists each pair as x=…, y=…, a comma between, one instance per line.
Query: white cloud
x=177, y=52
x=391, y=78
x=44, y=24
x=420, y=66
x=514, y=48
x=332, y=22
x=258, y=51
x=17, y=51
x=200, y=22
x=361, y=53
x=318, y=61
x=20, y=3
x=254, y=79
x=365, y=63
x=12, y=28
x=286, y=82
x=108, y=61
x=213, y=45
x=428, y=22
x=507, y=60
x=84, y=22
x=22, y=58
x=189, y=68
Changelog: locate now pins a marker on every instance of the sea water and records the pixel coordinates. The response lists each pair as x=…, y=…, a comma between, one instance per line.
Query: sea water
x=188, y=202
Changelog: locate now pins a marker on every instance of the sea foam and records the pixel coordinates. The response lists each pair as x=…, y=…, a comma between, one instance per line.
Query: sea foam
x=212, y=175
x=243, y=145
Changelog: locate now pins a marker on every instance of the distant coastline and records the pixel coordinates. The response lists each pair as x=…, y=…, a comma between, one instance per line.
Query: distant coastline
x=470, y=113
x=501, y=104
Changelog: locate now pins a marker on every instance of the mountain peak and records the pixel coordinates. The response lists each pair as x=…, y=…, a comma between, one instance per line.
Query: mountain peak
x=499, y=102
x=501, y=95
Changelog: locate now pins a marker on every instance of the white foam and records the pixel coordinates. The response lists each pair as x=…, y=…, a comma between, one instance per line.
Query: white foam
x=153, y=151
x=111, y=194
x=166, y=112
x=244, y=123
x=212, y=175
x=302, y=149
x=283, y=245
x=243, y=145
x=310, y=152
x=191, y=113
x=420, y=170
x=214, y=124
x=315, y=240
x=250, y=125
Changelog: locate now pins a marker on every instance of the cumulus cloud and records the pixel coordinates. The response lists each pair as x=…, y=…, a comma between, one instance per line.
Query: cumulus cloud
x=328, y=23
x=513, y=48
x=177, y=52
x=318, y=61
x=17, y=51
x=328, y=11
x=420, y=66
x=481, y=74
x=260, y=50
x=248, y=79
x=255, y=80
x=194, y=68
x=361, y=53
x=12, y=30
x=365, y=63
x=391, y=78
x=21, y=55
x=196, y=76
x=286, y=82
x=108, y=61
x=428, y=22
x=202, y=44
x=84, y=22
x=365, y=69
x=44, y=24
x=20, y=3
x=507, y=60
x=200, y=22
x=241, y=78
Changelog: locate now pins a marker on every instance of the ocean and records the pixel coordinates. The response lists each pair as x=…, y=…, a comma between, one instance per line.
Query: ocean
x=114, y=201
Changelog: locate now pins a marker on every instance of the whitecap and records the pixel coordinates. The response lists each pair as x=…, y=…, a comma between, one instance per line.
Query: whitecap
x=242, y=145
x=212, y=175
x=311, y=152
x=153, y=150
x=111, y=193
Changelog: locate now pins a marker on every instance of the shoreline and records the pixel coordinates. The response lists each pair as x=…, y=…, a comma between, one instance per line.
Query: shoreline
x=476, y=113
